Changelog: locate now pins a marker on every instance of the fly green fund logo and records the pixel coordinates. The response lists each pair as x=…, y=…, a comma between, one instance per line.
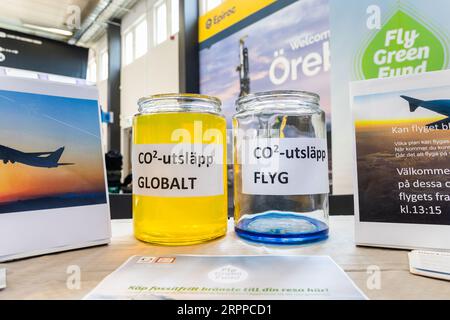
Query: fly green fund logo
x=404, y=45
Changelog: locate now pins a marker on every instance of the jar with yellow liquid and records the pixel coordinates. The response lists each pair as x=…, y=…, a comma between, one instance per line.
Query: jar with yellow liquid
x=179, y=170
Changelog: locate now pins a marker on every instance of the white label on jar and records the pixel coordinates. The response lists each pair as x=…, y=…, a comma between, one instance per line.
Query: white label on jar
x=178, y=170
x=284, y=166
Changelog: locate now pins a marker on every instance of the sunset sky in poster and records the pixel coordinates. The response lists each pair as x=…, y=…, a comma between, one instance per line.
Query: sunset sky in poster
x=42, y=123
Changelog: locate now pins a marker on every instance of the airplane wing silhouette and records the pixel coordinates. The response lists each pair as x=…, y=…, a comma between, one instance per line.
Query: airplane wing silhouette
x=439, y=106
x=413, y=103
x=442, y=124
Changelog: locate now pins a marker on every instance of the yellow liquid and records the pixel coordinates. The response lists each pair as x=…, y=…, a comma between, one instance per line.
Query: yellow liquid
x=174, y=220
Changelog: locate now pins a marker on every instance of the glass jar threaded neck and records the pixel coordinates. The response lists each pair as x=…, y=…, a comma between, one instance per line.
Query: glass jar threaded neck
x=279, y=99
x=175, y=102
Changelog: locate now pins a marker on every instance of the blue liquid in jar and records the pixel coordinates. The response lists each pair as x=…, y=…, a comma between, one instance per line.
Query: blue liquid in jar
x=282, y=228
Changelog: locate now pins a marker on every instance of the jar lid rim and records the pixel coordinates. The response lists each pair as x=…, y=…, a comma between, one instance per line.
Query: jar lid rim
x=193, y=97
x=306, y=96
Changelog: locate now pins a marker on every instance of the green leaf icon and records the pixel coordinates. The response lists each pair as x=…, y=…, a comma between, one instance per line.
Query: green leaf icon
x=403, y=46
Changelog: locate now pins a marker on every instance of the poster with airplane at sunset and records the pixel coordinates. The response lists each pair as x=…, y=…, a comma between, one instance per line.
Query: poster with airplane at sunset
x=50, y=152
x=53, y=194
x=402, y=160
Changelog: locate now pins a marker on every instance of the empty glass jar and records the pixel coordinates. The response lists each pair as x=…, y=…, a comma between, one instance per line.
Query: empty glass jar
x=281, y=168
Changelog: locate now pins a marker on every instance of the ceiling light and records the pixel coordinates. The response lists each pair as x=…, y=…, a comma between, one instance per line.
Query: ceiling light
x=48, y=29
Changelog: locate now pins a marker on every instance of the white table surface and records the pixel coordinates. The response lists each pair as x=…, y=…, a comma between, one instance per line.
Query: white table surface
x=46, y=277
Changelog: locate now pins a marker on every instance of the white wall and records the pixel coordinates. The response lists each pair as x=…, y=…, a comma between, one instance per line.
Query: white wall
x=153, y=73
x=94, y=54
x=102, y=85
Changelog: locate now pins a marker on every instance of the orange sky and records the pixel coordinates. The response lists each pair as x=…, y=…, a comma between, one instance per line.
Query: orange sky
x=368, y=125
x=19, y=181
x=33, y=123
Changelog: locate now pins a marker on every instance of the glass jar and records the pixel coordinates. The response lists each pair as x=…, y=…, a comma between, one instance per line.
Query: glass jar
x=179, y=170
x=281, y=168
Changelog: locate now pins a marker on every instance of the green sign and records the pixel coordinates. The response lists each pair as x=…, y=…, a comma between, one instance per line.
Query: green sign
x=403, y=46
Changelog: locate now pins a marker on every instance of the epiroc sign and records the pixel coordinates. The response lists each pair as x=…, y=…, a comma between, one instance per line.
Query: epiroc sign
x=228, y=14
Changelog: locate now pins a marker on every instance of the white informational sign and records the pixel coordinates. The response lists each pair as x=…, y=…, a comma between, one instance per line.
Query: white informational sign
x=284, y=166
x=228, y=278
x=2, y=278
x=178, y=170
x=434, y=264
x=374, y=39
x=402, y=161
x=53, y=192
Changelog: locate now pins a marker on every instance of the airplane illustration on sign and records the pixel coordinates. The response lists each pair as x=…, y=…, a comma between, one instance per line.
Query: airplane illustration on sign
x=33, y=159
x=438, y=106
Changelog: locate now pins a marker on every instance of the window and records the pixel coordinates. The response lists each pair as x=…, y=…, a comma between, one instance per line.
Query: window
x=211, y=4
x=128, y=48
x=160, y=10
x=92, y=71
x=135, y=42
x=175, y=17
x=104, y=65
x=141, y=39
